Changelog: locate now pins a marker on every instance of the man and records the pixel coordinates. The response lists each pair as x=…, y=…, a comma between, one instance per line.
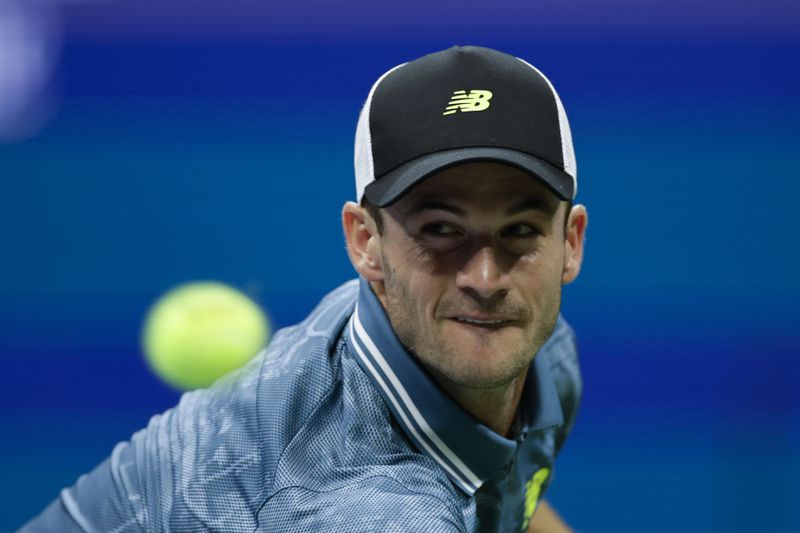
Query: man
x=435, y=392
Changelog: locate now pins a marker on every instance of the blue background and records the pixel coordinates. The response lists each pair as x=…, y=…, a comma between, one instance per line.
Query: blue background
x=199, y=140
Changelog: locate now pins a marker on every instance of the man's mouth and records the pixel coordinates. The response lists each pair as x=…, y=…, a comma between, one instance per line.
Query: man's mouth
x=487, y=322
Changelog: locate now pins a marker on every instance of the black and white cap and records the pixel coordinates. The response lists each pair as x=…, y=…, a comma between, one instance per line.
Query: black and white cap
x=461, y=105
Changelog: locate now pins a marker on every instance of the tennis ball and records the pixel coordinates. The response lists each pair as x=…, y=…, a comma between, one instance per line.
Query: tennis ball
x=200, y=331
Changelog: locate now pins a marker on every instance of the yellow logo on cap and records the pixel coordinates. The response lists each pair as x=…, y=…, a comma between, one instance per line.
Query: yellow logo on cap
x=533, y=489
x=476, y=100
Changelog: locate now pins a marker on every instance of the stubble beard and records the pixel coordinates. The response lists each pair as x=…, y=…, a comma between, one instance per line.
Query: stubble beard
x=441, y=359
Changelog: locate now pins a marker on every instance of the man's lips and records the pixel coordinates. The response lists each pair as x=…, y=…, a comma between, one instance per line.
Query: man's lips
x=484, y=321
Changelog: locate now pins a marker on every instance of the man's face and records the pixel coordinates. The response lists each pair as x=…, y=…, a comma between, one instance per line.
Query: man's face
x=473, y=261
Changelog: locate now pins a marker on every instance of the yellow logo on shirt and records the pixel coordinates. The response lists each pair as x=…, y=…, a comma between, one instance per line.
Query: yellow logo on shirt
x=476, y=100
x=533, y=489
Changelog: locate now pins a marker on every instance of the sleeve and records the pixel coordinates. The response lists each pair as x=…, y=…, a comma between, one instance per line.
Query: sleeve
x=566, y=372
x=190, y=468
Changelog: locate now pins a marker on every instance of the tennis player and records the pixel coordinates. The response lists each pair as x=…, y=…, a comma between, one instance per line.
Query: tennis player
x=431, y=394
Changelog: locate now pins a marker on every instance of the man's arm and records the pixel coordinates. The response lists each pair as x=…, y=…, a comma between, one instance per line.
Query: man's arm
x=546, y=520
x=172, y=472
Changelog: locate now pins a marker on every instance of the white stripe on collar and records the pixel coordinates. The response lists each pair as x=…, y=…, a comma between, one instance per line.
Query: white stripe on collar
x=397, y=394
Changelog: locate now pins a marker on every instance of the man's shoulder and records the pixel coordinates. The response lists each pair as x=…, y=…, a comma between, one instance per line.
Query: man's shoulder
x=295, y=356
x=307, y=346
x=561, y=346
x=561, y=350
x=284, y=383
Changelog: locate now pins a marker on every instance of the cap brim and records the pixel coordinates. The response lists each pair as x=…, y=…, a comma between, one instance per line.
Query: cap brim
x=390, y=187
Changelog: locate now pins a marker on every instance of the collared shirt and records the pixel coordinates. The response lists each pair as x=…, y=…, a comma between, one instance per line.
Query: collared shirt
x=334, y=427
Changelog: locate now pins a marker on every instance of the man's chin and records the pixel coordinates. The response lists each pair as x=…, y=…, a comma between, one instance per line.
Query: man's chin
x=483, y=378
x=482, y=365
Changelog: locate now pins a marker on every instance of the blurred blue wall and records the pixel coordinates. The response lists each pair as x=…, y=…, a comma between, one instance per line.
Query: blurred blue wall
x=184, y=145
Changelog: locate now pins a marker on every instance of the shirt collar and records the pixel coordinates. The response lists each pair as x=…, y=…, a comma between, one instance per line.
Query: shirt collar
x=467, y=450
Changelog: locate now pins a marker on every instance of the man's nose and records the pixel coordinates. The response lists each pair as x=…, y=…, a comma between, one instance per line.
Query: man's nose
x=482, y=276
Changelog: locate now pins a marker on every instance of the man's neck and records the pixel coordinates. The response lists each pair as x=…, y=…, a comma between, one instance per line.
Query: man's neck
x=494, y=407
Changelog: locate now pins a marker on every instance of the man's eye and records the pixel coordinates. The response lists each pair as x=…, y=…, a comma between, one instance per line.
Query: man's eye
x=521, y=230
x=439, y=229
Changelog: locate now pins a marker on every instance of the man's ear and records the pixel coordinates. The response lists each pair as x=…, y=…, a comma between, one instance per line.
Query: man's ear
x=363, y=241
x=573, y=249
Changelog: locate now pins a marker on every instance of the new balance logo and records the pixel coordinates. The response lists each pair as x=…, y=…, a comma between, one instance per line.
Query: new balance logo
x=476, y=100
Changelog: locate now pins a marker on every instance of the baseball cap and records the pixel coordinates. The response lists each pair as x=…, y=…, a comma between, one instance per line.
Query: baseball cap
x=460, y=105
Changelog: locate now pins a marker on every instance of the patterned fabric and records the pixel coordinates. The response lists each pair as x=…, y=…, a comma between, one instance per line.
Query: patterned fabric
x=303, y=440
